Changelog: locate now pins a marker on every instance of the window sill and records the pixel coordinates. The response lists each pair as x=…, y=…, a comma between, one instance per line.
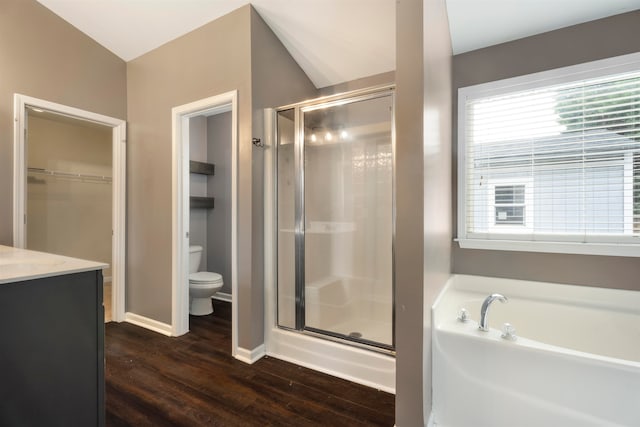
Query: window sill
x=606, y=249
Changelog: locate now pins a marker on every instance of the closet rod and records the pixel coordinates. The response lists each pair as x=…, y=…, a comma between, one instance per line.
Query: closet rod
x=42, y=171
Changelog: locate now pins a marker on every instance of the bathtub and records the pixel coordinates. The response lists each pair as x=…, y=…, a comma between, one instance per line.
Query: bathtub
x=575, y=362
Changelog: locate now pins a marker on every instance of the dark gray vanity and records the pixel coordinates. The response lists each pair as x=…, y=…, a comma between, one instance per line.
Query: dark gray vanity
x=52, y=340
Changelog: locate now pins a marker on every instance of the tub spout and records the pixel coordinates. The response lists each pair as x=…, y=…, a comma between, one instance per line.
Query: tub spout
x=484, y=311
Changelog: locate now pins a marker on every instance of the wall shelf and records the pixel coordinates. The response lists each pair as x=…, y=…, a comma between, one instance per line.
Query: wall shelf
x=201, y=168
x=201, y=202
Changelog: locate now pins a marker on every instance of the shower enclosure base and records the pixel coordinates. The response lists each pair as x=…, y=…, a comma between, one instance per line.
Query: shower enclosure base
x=343, y=361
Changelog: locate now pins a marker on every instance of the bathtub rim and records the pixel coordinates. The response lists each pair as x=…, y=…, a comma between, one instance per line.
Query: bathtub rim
x=448, y=324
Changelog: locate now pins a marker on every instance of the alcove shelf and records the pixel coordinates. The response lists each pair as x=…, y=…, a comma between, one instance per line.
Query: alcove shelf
x=201, y=167
x=196, y=202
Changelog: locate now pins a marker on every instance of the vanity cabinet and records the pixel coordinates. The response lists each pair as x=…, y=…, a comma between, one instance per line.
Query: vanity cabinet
x=52, y=351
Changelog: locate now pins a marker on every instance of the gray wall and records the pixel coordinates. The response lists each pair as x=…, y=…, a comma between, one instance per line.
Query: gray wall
x=45, y=57
x=362, y=83
x=218, y=219
x=210, y=60
x=409, y=250
x=276, y=79
x=237, y=51
x=60, y=208
x=423, y=217
x=613, y=36
x=438, y=231
x=198, y=186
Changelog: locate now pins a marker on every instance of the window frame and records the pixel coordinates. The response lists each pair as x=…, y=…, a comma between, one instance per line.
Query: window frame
x=551, y=243
x=527, y=226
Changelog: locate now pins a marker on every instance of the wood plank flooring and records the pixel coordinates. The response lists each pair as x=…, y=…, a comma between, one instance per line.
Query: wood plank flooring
x=153, y=380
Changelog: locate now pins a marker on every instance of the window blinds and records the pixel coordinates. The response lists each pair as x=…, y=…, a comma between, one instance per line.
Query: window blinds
x=554, y=163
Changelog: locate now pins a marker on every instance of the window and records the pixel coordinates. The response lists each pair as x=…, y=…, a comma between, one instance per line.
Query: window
x=551, y=162
x=509, y=205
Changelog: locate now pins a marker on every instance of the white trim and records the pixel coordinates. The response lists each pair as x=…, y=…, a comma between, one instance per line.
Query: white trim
x=628, y=193
x=612, y=246
x=527, y=182
x=250, y=356
x=431, y=421
x=223, y=296
x=145, y=322
x=353, y=364
x=119, y=191
x=608, y=249
x=180, y=207
x=270, y=239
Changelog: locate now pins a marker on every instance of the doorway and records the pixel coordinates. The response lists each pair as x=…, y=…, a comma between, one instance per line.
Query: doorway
x=69, y=187
x=183, y=119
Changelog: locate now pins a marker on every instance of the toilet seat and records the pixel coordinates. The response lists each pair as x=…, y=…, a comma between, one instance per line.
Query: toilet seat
x=202, y=277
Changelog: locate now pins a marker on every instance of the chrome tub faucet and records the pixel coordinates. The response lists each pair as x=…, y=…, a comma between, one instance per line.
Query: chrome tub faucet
x=483, y=326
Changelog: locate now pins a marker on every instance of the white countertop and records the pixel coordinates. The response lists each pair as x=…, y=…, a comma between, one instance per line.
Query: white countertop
x=17, y=265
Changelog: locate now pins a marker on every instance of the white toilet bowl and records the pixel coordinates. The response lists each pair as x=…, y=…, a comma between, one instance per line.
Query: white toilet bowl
x=202, y=284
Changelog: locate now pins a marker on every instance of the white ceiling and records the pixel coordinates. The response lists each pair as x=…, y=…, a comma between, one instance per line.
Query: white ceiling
x=333, y=41
x=480, y=23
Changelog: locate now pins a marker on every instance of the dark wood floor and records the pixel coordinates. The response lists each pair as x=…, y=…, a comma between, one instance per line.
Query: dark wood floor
x=153, y=380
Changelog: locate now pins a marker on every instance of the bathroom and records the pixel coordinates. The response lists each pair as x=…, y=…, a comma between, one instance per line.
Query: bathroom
x=145, y=89
x=210, y=209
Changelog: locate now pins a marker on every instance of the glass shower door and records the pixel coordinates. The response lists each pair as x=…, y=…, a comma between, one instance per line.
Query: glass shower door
x=348, y=219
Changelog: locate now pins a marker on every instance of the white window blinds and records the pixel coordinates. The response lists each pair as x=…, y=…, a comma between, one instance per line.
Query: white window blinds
x=552, y=162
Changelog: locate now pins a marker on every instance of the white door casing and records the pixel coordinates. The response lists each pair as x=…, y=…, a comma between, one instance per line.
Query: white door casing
x=118, y=215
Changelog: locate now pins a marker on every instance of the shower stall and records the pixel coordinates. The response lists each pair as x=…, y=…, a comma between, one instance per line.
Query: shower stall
x=334, y=218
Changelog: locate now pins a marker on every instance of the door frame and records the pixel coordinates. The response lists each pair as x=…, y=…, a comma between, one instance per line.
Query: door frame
x=119, y=191
x=180, y=207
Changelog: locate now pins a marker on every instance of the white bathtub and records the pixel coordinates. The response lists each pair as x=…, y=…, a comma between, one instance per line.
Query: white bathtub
x=575, y=363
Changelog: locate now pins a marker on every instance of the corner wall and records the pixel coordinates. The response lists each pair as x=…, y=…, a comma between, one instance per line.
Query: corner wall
x=423, y=195
x=236, y=51
x=603, y=38
x=438, y=228
x=409, y=249
x=45, y=57
x=276, y=80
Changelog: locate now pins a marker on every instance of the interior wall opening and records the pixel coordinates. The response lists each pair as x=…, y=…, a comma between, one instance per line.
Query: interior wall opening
x=210, y=208
x=69, y=190
x=69, y=187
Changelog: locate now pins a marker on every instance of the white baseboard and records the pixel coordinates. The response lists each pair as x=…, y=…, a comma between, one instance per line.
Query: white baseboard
x=145, y=322
x=250, y=356
x=431, y=422
x=222, y=296
x=354, y=364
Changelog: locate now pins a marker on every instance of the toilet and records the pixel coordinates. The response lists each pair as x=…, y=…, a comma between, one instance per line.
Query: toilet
x=202, y=284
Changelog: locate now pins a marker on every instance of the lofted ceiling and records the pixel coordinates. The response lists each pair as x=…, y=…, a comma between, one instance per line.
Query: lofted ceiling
x=475, y=24
x=333, y=41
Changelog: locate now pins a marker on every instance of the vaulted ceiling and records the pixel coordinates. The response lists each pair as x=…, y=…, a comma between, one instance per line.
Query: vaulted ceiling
x=333, y=41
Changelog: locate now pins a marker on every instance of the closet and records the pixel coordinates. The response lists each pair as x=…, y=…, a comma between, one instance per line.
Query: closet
x=69, y=188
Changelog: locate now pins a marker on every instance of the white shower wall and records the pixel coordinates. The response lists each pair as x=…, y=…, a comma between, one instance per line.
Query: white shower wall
x=348, y=213
x=348, y=238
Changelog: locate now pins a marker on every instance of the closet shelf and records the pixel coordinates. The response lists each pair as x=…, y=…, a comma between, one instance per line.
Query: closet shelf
x=201, y=202
x=41, y=171
x=201, y=168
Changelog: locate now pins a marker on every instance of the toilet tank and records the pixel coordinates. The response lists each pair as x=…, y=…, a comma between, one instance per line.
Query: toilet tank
x=195, y=253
